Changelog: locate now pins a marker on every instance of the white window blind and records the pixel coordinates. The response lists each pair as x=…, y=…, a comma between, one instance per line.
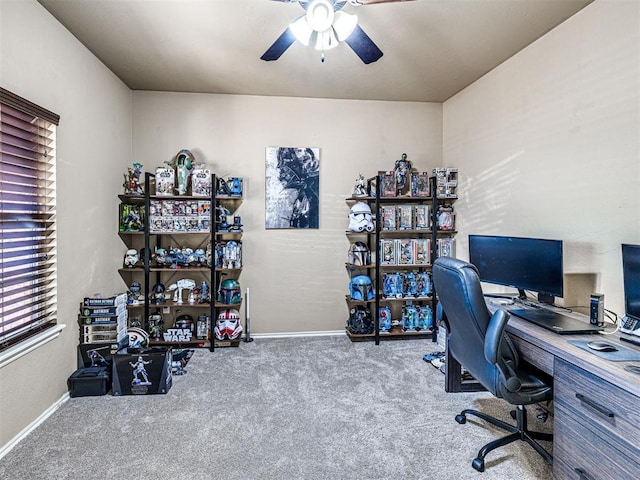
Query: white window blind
x=27, y=219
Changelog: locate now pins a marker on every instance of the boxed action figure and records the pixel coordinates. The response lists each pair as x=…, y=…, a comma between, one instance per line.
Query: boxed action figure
x=387, y=184
x=142, y=371
x=388, y=217
x=201, y=182
x=405, y=217
x=165, y=181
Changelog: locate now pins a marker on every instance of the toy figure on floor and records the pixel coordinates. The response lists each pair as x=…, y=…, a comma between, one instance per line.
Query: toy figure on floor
x=139, y=370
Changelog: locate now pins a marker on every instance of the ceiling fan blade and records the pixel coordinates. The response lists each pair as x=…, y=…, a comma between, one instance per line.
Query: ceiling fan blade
x=276, y=50
x=363, y=46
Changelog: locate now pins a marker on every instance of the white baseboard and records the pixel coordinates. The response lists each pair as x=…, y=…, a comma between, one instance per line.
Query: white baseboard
x=323, y=333
x=27, y=430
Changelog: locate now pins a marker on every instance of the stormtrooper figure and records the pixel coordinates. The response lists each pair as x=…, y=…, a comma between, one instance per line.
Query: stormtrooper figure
x=131, y=258
x=360, y=218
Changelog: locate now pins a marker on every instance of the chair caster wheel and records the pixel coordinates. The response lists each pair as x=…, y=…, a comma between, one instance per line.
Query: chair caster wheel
x=461, y=419
x=478, y=464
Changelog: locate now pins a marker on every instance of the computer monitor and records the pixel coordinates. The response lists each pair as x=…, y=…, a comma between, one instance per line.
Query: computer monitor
x=631, y=279
x=533, y=264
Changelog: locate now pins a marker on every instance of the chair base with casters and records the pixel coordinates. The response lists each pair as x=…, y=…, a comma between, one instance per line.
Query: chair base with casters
x=518, y=432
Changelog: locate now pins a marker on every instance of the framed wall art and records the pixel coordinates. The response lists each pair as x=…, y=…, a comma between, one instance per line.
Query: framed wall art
x=292, y=187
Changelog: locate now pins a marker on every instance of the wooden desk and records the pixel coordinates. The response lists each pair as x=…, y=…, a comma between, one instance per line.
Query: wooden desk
x=596, y=402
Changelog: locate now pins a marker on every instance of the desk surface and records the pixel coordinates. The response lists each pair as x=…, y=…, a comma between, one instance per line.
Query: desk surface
x=559, y=346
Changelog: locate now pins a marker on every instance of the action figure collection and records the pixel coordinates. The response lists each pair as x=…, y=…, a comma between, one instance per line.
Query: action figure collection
x=409, y=221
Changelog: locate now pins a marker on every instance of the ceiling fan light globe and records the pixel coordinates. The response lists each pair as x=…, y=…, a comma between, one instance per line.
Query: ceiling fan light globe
x=344, y=24
x=320, y=15
x=326, y=40
x=301, y=30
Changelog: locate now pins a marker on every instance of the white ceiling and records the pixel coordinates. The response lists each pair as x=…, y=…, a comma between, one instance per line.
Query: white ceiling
x=432, y=48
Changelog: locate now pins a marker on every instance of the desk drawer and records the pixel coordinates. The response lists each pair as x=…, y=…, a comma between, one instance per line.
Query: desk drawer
x=598, y=402
x=583, y=453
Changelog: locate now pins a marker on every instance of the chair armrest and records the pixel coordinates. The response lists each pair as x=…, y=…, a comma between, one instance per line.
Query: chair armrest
x=493, y=336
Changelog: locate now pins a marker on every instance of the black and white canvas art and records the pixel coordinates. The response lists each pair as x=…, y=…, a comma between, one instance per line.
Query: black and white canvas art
x=292, y=187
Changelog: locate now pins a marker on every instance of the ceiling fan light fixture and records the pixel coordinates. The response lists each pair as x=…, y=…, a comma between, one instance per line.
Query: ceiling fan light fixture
x=344, y=24
x=301, y=30
x=320, y=15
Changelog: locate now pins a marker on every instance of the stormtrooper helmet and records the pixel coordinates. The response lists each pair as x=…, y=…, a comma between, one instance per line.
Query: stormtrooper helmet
x=360, y=218
x=228, y=324
x=131, y=258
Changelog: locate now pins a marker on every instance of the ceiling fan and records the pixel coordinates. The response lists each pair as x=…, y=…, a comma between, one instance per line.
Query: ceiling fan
x=324, y=25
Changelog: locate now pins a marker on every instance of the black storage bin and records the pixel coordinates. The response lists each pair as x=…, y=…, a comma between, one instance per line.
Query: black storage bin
x=89, y=381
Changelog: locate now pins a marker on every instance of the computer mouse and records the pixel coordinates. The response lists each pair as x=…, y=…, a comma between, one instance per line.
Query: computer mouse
x=602, y=347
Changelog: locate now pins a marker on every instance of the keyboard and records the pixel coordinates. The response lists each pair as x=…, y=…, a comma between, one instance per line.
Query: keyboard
x=555, y=321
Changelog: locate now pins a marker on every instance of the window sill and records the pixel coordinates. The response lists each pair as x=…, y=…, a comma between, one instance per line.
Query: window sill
x=17, y=351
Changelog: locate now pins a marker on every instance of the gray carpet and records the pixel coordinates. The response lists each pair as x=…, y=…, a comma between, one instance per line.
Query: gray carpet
x=294, y=408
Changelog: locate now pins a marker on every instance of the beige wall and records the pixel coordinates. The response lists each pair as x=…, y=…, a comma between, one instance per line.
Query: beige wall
x=47, y=65
x=548, y=146
x=297, y=278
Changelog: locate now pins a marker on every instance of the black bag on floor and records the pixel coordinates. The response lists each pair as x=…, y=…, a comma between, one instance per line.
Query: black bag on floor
x=88, y=381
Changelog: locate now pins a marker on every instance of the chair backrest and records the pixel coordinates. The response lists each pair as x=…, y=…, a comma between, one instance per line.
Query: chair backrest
x=459, y=291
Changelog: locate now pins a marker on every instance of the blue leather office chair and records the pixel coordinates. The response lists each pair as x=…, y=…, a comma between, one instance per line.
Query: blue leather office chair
x=478, y=341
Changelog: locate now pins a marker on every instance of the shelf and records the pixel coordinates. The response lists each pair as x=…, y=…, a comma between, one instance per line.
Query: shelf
x=171, y=304
x=165, y=269
x=191, y=344
x=396, y=333
x=403, y=266
x=229, y=197
x=178, y=197
x=405, y=199
x=227, y=343
x=358, y=302
x=201, y=227
x=414, y=232
x=179, y=232
x=179, y=269
x=430, y=239
x=131, y=199
x=234, y=235
x=405, y=299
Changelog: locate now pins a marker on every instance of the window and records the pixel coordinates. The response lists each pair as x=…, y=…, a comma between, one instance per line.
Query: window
x=27, y=219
